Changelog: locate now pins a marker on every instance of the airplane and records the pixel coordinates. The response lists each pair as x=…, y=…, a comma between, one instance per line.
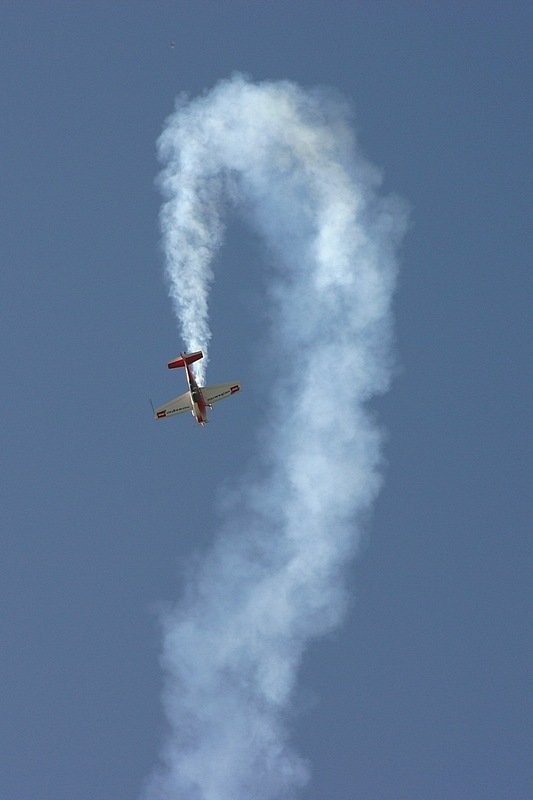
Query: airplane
x=199, y=398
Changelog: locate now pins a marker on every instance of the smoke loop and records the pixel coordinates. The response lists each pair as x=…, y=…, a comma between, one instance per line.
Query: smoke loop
x=273, y=578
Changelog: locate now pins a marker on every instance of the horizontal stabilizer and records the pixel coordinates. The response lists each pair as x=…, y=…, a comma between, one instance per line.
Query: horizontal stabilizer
x=185, y=358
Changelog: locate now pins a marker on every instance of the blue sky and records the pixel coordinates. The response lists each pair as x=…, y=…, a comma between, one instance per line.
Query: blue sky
x=422, y=692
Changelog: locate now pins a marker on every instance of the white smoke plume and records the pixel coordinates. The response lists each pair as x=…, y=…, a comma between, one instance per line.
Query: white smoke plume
x=287, y=159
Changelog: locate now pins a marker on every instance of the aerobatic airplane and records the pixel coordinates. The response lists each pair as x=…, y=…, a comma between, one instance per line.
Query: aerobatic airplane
x=199, y=398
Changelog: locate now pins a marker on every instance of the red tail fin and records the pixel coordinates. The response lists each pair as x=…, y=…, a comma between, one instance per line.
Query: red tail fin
x=185, y=358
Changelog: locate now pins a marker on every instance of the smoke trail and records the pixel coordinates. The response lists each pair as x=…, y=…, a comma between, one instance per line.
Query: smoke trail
x=286, y=159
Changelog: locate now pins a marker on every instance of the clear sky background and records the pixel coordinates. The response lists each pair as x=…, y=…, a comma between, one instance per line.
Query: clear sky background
x=424, y=693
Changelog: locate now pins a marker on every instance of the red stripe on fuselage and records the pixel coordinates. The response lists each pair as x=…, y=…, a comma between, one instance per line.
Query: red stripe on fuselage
x=197, y=397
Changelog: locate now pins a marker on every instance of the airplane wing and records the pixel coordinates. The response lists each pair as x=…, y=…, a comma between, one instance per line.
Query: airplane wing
x=212, y=394
x=177, y=406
